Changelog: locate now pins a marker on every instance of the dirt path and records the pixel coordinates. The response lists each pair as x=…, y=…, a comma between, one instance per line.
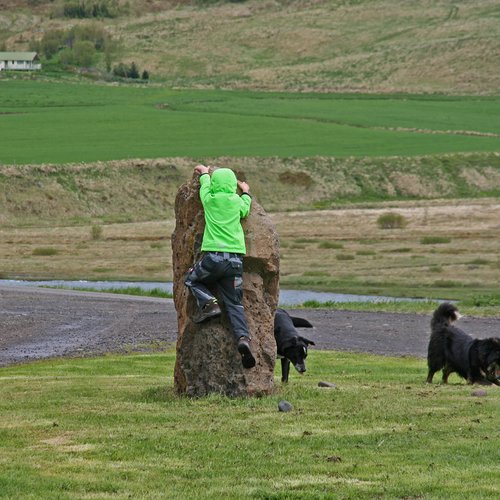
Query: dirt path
x=42, y=323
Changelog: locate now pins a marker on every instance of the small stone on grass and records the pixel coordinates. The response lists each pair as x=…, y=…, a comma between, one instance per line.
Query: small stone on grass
x=285, y=406
x=327, y=384
x=479, y=393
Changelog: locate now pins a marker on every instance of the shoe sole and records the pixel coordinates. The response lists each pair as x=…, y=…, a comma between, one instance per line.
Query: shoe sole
x=246, y=356
x=206, y=316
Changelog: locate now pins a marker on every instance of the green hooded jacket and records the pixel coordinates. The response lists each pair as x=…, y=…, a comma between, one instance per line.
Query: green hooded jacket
x=223, y=211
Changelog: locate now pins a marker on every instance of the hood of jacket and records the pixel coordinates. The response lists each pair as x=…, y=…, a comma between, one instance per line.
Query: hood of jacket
x=223, y=180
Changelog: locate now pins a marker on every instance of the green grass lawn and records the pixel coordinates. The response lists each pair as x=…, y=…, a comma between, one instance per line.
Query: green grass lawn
x=112, y=427
x=45, y=122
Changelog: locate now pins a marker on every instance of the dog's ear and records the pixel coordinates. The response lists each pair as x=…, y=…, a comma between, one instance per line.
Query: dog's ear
x=300, y=322
x=307, y=341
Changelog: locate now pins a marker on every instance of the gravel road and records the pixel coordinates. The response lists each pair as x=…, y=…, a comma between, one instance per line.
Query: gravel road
x=37, y=323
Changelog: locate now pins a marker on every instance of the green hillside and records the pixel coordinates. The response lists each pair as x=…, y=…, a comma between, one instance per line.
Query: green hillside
x=294, y=45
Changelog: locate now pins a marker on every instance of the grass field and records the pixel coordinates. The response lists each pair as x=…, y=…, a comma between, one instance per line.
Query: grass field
x=112, y=427
x=60, y=122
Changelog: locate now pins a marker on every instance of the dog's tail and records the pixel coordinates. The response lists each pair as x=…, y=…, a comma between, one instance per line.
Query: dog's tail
x=446, y=314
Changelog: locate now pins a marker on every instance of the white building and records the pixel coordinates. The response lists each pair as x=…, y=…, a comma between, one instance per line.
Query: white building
x=22, y=61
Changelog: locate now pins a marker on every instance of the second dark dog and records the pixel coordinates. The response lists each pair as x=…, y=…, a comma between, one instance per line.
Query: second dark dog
x=292, y=348
x=452, y=350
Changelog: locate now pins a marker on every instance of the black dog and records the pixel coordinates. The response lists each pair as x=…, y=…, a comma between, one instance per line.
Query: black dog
x=452, y=350
x=292, y=348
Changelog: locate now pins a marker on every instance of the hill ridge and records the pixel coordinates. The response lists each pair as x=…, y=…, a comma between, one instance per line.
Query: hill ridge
x=373, y=46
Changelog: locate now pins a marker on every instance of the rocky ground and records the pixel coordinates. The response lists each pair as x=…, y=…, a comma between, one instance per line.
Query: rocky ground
x=45, y=323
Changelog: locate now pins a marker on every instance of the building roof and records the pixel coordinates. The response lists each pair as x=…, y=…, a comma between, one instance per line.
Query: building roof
x=17, y=56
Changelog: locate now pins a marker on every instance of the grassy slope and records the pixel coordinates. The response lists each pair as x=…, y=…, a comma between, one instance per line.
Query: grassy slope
x=103, y=191
x=334, y=45
x=112, y=427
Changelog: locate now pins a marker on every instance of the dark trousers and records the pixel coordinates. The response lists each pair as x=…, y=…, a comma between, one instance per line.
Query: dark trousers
x=225, y=271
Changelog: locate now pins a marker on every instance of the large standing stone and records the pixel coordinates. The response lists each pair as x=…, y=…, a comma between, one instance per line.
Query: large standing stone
x=207, y=358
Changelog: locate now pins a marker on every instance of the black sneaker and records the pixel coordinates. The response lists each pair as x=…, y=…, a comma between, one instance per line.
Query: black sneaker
x=246, y=354
x=210, y=310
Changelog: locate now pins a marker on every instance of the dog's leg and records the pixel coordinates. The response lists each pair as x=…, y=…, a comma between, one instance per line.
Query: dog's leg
x=285, y=369
x=434, y=363
x=434, y=366
x=475, y=376
x=447, y=370
x=478, y=375
x=430, y=375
